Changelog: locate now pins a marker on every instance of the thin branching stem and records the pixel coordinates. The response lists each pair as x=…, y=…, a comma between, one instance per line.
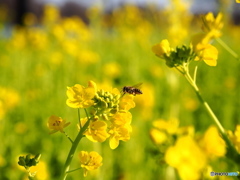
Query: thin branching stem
x=74, y=147
x=225, y=46
x=232, y=152
x=68, y=137
x=79, y=118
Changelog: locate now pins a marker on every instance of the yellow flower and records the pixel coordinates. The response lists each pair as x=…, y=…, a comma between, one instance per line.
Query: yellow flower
x=51, y=14
x=161, y=48
x=198, y=41
x=208, y=54
x=170, y=126
x=9, y=98
x=41, y=171
x=118, y=133
x=235, y=137
x=112, y=70
x=81, y=97
x=122, y=118
x=146, y=101
x=120, y=128
x=90, y=161
x=56, y=124
x=213, y=24
x=158, y=137
x=237, y=133
x=97, y=131
x=213, y=144
x=126, y=102
x=187, y=157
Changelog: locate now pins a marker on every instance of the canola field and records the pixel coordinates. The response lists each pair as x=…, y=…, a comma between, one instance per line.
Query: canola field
x=55, y=70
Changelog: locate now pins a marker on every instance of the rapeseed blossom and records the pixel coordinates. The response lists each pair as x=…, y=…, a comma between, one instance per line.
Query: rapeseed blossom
x=187, y=157
x=179, y=57
x=235, y=137
x=89, y=161
x=162, y=49
x=80, y=97
x=109, y=115
x=97, y=130
x=9, y=98
x=56, y=124
x=213, y=25
x=210, y=141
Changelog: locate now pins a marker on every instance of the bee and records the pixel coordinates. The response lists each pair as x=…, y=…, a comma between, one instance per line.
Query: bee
x=132, y=89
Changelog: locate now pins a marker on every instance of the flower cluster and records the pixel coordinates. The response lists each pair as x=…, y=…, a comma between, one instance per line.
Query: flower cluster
x=199, y=49
x=109, y=116
x=185, y=151
x=29, y=163
x=180, y=56
x=212, y=25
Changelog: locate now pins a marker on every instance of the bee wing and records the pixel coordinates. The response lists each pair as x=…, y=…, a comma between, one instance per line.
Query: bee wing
x=138, y=86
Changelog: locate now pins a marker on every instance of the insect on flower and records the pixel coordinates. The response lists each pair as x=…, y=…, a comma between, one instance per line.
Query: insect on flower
x=134, y=90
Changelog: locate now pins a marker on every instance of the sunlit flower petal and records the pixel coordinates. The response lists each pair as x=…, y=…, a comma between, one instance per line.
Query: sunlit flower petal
x=81, y=97
x=161, y=48
x=56, y=124
x=90, y=161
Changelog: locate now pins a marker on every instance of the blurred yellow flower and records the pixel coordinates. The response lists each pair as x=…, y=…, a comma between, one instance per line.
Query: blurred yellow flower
x=89, y=161
x=212, y=143
x=51, y=14
x=9, y=98
x=112, y=69
x=88, y=56
x=80, y=97
x=171, y=126
x=158, y=137
x=187, y=157
x=2, y=161
x=18, y=40
x=198, y=41
x=56, y=124
x=213, y=24
x=97, y=131
x=208, y=54
x=41, y=171
x=235, y=137
x=161, y=48
x=146, y=101
x=178, y=19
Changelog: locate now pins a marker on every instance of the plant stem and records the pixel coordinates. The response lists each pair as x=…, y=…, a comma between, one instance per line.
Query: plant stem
x=68, y=137
x=225, y=46
x=73, y=149
x=232, y=152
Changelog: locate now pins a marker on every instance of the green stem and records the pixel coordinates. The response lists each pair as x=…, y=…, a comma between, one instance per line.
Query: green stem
x=232, y=152
x=225, y=46
x=68, y=137
x=74, y=170
x=79, y=118
x=73, y=149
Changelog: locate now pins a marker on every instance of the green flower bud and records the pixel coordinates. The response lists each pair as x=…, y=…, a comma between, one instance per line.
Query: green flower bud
x=105, y=103
x=21, y=161
x=180, y=56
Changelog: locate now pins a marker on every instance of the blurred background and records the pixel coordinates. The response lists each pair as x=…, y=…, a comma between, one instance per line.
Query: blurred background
x=46, y=46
